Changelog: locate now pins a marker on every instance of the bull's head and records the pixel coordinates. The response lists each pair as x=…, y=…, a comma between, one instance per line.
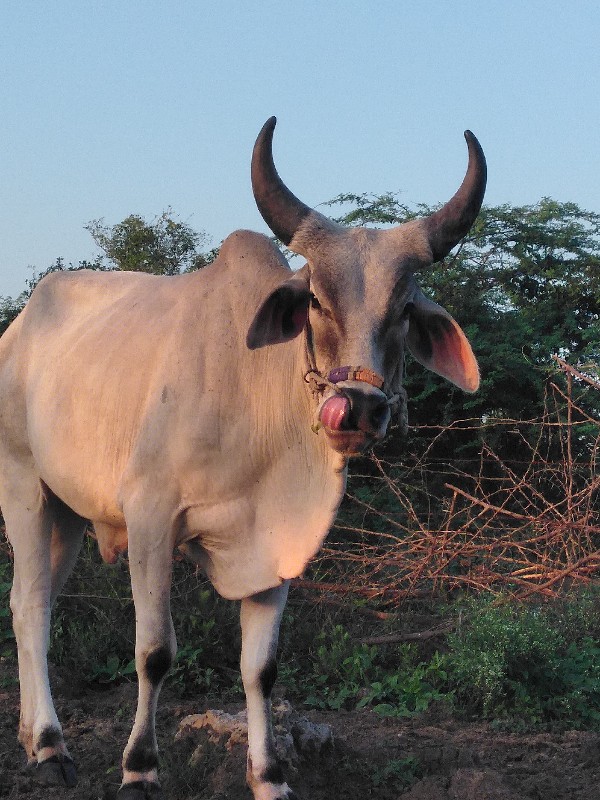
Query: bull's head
x=359, y=303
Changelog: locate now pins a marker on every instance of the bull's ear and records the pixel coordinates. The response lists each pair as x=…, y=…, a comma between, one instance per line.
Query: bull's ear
x=283, y=315
x=438, y=342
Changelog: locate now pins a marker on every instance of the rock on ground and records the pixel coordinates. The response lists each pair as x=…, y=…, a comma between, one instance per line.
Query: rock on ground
x=295, y=736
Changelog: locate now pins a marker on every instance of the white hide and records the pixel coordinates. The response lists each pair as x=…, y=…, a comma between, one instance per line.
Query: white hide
x=124, y=389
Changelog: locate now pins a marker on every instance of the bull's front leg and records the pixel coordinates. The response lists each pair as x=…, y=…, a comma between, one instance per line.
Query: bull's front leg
x=260, y=619
x=150, y=565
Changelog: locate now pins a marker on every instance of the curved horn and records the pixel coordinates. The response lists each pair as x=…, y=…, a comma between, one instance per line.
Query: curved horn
x=280, y=209
x=447, y=226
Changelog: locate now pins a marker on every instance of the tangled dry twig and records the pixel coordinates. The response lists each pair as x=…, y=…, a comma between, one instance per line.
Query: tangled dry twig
x=527, y=522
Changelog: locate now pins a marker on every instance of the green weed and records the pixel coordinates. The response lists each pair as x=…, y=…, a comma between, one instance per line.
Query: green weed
x=346, y=674
x=399, y=773
x=113, y=670
x=408, y=692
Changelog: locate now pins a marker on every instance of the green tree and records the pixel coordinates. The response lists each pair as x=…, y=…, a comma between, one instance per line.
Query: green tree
x=10, y=307
x=165, y=246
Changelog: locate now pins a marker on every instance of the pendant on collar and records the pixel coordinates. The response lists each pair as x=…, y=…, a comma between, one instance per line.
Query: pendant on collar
x=356, y=374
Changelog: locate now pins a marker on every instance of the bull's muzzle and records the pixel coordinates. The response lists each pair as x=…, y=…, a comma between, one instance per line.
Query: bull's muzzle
x=354, y=418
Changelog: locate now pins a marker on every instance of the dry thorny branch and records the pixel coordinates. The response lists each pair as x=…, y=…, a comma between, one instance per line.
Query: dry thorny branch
x=524, y=519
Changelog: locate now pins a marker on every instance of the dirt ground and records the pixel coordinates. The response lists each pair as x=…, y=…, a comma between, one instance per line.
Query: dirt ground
x=431, y=757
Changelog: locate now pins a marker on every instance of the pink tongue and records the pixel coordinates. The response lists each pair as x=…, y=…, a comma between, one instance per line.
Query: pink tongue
x=334, y=412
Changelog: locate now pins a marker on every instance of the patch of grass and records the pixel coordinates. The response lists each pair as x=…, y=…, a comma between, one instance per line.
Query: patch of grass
x=92, y=633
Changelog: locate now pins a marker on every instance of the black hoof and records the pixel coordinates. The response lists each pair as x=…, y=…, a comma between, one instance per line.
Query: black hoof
x=56, y=771
x=140, y=790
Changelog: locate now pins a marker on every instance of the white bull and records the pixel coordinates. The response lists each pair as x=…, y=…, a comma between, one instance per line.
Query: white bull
x=212, y=412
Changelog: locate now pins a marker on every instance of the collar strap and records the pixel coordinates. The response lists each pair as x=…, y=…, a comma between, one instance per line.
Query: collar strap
x=356, y=374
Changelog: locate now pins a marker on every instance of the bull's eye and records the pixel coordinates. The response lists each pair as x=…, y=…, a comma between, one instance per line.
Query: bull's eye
x=407, y=311
x=322, y=311
x=404, y=320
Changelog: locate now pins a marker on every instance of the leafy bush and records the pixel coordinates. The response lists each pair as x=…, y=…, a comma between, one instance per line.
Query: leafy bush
x=539, y=665
x=517, y=661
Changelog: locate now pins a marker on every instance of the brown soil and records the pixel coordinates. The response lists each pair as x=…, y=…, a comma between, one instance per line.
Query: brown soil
x=426, y=758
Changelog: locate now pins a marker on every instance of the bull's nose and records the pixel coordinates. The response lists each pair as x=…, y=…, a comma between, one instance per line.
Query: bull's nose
x=379, y=415
x=369, y=411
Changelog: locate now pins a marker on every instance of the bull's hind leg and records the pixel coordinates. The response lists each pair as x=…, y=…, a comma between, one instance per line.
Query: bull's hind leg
x=45, y=536
x=150, y=565
x=260, y=619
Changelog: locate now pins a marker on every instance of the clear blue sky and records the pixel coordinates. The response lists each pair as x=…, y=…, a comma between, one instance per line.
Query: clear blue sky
x=132, y=106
